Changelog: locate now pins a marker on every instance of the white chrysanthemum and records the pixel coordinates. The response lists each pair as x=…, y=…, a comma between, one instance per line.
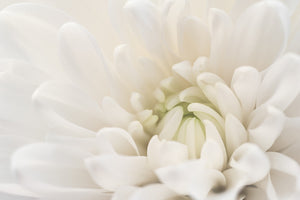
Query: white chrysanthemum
x=200, y=102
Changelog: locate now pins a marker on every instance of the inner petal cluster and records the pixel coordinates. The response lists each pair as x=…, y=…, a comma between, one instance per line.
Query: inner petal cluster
x=182, y=108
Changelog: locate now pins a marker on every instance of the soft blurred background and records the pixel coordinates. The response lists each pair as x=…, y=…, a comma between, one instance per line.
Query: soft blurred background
x=92, y=14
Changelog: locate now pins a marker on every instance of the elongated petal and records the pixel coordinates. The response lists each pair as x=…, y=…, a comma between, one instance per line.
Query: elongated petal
x=19, y=22
x=71, y=103
x=256, y=45
x=116, y=140
x=280, y=86
x=235, y=133
x=112, y=171
x=194, y=39
x=245, y=83
x=84, y=62
x=265, y=126
x=54, y=171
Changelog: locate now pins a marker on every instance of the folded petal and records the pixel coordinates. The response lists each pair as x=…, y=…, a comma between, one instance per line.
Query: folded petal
x=191, y=178
x=252, y=161
x=265, y=126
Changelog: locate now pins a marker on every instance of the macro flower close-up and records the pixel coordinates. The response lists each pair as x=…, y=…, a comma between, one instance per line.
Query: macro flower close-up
x=164, y=100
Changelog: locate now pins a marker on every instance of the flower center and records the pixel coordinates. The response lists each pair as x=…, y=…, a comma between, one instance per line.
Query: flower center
x=181, y=108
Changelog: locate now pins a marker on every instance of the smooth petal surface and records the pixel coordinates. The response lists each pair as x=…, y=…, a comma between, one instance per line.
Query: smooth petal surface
x=116, y=140
x=112, y=171
x=20, y=21
x=265, y=126
x=84, y=62
x=235, y=133
x=252, y=161
x=55, y=171
x=191, y=178
x=280, y=86
x=256, y=45
x=194, y=39
x=245, y=83
x=162, y=153
x=71, y=103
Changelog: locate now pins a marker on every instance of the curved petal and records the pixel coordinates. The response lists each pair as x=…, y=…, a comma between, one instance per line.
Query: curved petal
x=253, y=43
x=193, y=38
x=116, y=140
x=162, y=153
x=252, y=161
x=235, y=133
x=280, y=85
x=112, y=171
x=245, y=83
x=265, y=126
x=191, y=178
x=71, y=103
x=55, y=171
x=20, y=21
x=84, y=62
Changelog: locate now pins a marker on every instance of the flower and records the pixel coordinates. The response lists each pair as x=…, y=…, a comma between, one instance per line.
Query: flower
x=200, y=102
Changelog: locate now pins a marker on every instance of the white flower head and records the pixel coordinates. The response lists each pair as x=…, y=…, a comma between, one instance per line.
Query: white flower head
x=200, y=102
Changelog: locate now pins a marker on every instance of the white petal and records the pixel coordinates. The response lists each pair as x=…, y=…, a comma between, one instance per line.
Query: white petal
x=240, y=6
x=252, y=161
x=213, y=134
x=235, y=133
x=115, y=114
x=289, y=135
x=17, y=83
x=84, y=62
x=227, y=101
x=284, y=176
x=154, y=191
x=280, y=86
x=256, y=45
x=293, y=110
x=54, y=171
x=112, y=171
x=193, y=38
x=162, y=153
x=143, y=18
x=221, y=27
x=124, y=193
x=15, y=192
x=170, y=123
x=212, y=155
x=118, y=141
x=9, y=144
x=191, y=178
x=30, y=31
x=140, y=137
x=265, y=126
x=71, y=103
x=245, y=83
